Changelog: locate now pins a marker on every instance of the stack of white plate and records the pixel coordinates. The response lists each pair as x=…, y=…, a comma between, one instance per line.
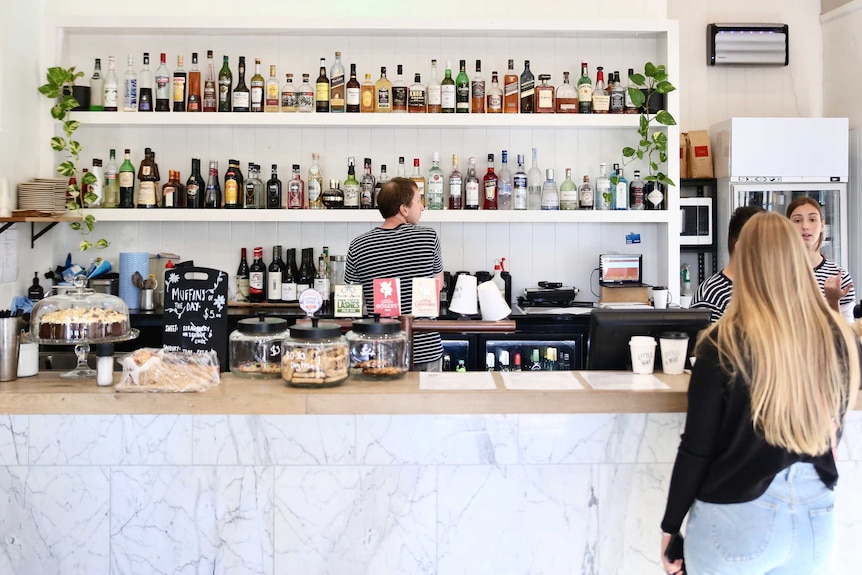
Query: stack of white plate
x=48, y=194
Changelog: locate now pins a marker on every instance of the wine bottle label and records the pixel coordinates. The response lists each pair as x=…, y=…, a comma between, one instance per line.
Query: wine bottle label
x=179, y=89
x=655, y=197
x=352, y=96
x=147, y=194
x=322, y=286
x=435, y=95
x=240, y=99
x=127, y=179
x=601, y=102
x=472, y=193
x=351, y=196
x=288, y=291
x=242, y=287
x=257, y=94
x=255, y=282
x=273, y=287
x=448, y=97
x=585, y=92
x=491, y=190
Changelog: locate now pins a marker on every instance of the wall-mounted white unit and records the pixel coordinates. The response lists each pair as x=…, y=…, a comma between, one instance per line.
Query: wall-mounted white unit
x=747, y=44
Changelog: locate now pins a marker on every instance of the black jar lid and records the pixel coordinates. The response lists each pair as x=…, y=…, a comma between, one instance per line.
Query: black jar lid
x=262, y=324
x=315, y=331
x=377, y=326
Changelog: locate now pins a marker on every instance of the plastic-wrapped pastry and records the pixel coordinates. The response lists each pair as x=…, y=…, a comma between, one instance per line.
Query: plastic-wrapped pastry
x=149, y=369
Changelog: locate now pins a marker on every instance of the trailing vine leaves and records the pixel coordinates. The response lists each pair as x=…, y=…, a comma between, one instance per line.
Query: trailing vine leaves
x=58, y=87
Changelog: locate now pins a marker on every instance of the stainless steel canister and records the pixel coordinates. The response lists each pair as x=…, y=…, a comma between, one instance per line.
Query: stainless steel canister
x=10, y=327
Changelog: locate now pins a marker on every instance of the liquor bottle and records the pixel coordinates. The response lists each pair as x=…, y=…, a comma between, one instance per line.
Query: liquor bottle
x=254, y=196
x=257, y=89
x=366, y=187
x=315, y=183
x=305, y=96
x=195, y=186
x=471, y=187
x=585, y=195
x=225, y=85
x=434, y=92
x=148, y=178
x=130, y=87
x=242, y=275
x=97, y=88
x=384, y=177
x=257, y=278
x=321, y=283
x=336, y=85
x=535, y=181
x=383, y=93
x=163, y=85
x=333, y=198
x=527, y=92
x=489, y=185
x=511, y=91
x=535, y=364
x=351, y=187
x=504, y=185
x=601, y=99
x=111, y=88
x=288, y=277
x=618, y=96
x=212, y=194
x=112, y=184
x=273, y=276
x=193, y=101
x=210, y=97
x=550, y=195
x=585, y=91
x=401, y=170
x=495, y=95
x=289, y=97
x=241, y=98
x=568, y=193
x=173, y=192
x=399, y=91
x=447, y=91
x=97, y=188
x=352, y=92
x=434, y=198
x=305, y=279
x=520, y=187
x=321, y=89
x=145, y=87
x=477, y=91
x=462, y=90
x=416, y=100
x=636, y=192
x=273, y=190
x=418, y=179
x=654, y=196
x=544, y=100
x=630, y=106
x=272, y=96
x=490, y=361
x=180, y=78
x=456, y=191
x=232, y=186
x=296, y=191
x=621, y=190
x=567, y=97
x=604, y=194
x=367, y=97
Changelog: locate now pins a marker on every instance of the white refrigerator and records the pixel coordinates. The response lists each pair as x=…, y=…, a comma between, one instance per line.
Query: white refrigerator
x=771, y=161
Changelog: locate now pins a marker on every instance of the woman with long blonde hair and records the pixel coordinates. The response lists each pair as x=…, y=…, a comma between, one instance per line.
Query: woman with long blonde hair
x=767, y=398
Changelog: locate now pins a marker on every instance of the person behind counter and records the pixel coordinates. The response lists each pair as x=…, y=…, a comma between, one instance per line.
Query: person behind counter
x=399, y=248
x=835, y=282
x=755, y=469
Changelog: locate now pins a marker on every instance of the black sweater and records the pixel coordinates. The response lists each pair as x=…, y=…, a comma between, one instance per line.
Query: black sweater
x=721, y=458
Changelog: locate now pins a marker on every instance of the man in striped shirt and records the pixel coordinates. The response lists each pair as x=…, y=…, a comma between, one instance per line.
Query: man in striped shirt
x=399, y=248
x=714, y=293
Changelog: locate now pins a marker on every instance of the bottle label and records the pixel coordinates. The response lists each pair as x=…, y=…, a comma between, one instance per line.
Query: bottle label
x=288, y=291
x=305, y=100
x=272, y=95
x=435, y=95
x=191, y=191
x=569, y=197
x=273, y=286
x=448, y=97
x=618, y=101
x=240, y=99
x=147, y=194
x=322, y=286
x=567, y=105
x=294, y=196
x=351, y=196
x=168, y=197
x=586, y=198
x=257, y=94
x=621, y=196
x=249, y=194
x=366, y=195
x=321, y=91
x=491, y=190
x=383, y=98
x=601, y=102
x=495, y=102
x=478, y=90
x=435, y=192
x=511, y=86
x=546, y=99
x=255, y=282
x=179, y=89
x=527, y=88
x=416, y=98
x=455, y=188
x=242, y=287
x=127, y=179
x=399, y=97
x=352, y=96
x=231, y=193
x=655, y=197
x=130, y=96
x=472, y=193
x=223, y=91
x=313, y=190
x=585, y=92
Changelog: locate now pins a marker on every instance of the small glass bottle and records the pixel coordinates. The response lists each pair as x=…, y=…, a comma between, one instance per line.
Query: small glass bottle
x=545, y=103
x=567, y=97
x=550, y=195
x=232, y=185
x=333, y=198
x=585, y=194
x=305, y=96
x=296, y=191
x=495, y=95
x=315, y=182
x=195, y=186
x=289, y=102
x=212, y=195
x=568, y=193
x=456, y=190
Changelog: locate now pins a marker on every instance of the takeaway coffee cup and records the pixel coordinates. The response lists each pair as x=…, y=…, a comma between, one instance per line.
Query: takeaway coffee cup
x=659, y=297
x=643, y=353
x=464, y=298
x=492, y=302
x=674, y=350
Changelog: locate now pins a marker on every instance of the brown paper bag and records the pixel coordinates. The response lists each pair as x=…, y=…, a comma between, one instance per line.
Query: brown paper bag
x=683, y=156
x=699, y=156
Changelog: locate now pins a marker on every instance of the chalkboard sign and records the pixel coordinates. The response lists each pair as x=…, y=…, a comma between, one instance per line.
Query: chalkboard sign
x=196, y=311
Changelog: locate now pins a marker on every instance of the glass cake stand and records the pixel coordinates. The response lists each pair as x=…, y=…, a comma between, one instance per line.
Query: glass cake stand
x=82, y=350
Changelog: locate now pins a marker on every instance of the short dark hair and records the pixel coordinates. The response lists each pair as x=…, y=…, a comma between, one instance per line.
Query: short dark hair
x=737, y=220
x=807, y=201
x=395, y=193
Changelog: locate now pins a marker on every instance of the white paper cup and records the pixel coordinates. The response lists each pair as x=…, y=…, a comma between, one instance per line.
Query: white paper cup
x=643, y=354
x=674, y=350
x=659, y=297
x=464, y=298
x=685, y=301
x=491, y=302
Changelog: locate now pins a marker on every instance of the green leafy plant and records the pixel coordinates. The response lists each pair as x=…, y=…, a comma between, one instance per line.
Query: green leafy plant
x=58, y=87
x=652, y=145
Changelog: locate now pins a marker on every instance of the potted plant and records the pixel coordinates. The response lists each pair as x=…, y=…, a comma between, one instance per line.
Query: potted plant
x=58, y=87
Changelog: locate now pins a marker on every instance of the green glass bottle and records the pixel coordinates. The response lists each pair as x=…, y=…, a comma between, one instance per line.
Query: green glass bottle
x=462, y=90
x=447, y=91
x=126, y=180
x=225, y=85
x=351, y=186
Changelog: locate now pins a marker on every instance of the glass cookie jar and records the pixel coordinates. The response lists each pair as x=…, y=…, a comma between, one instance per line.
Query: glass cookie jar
x=378, y=349
x=314, y=356
x=255, y=347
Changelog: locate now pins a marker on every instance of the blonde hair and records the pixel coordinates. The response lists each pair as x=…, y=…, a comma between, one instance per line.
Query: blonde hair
x=798, y=357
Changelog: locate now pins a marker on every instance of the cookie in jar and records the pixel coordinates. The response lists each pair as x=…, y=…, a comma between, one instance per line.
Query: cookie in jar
x=314, y=356
x=255, y=347
x=378, y=349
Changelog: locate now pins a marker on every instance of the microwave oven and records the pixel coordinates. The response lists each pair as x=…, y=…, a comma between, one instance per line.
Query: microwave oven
x=696, y=221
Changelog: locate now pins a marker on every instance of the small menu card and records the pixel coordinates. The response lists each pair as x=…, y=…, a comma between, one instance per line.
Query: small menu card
x=387, y=297
x=426, y=297
x=348, y=300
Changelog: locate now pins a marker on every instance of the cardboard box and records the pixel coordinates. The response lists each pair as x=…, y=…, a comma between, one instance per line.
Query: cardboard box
x=699, y=156
x=683, y=155
x=623, y=294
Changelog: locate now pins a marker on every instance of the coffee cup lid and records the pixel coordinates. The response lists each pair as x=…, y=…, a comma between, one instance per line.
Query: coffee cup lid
x=673, y=335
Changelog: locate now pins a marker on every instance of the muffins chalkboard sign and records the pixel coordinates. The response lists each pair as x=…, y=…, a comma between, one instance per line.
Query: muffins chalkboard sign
x=196, y=311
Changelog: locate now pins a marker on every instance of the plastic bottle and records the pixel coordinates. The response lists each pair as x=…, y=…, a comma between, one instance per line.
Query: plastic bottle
x=498, y=279
x=685, y=274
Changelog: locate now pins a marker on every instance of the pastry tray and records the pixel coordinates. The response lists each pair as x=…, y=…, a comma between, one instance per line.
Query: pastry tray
x=132, y=334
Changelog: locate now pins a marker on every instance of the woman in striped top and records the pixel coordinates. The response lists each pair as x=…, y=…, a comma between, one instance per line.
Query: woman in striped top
x=835, y=282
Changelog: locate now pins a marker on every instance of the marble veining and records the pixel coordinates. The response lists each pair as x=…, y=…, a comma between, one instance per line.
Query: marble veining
x=14, y=430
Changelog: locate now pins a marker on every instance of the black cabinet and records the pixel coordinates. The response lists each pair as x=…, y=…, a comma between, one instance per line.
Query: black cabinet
x=699, y=223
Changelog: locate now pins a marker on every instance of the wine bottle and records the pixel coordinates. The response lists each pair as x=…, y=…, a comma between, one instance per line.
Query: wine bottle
x=242, y=276
x=273, y=276
x=241, y=96
x=225, y=85
x=288, y=277
x=126, y=178
x=257, y=278
x=258, y=83
x=306, y=271
x=195, y=186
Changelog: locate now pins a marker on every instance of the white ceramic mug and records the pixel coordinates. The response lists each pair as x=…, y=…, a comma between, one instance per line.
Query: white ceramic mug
x=660, y=297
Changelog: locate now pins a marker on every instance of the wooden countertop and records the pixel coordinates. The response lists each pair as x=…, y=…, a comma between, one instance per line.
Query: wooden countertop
x=46, y=393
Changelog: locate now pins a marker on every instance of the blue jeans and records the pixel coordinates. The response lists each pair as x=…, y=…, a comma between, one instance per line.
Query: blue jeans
x=789, y=530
